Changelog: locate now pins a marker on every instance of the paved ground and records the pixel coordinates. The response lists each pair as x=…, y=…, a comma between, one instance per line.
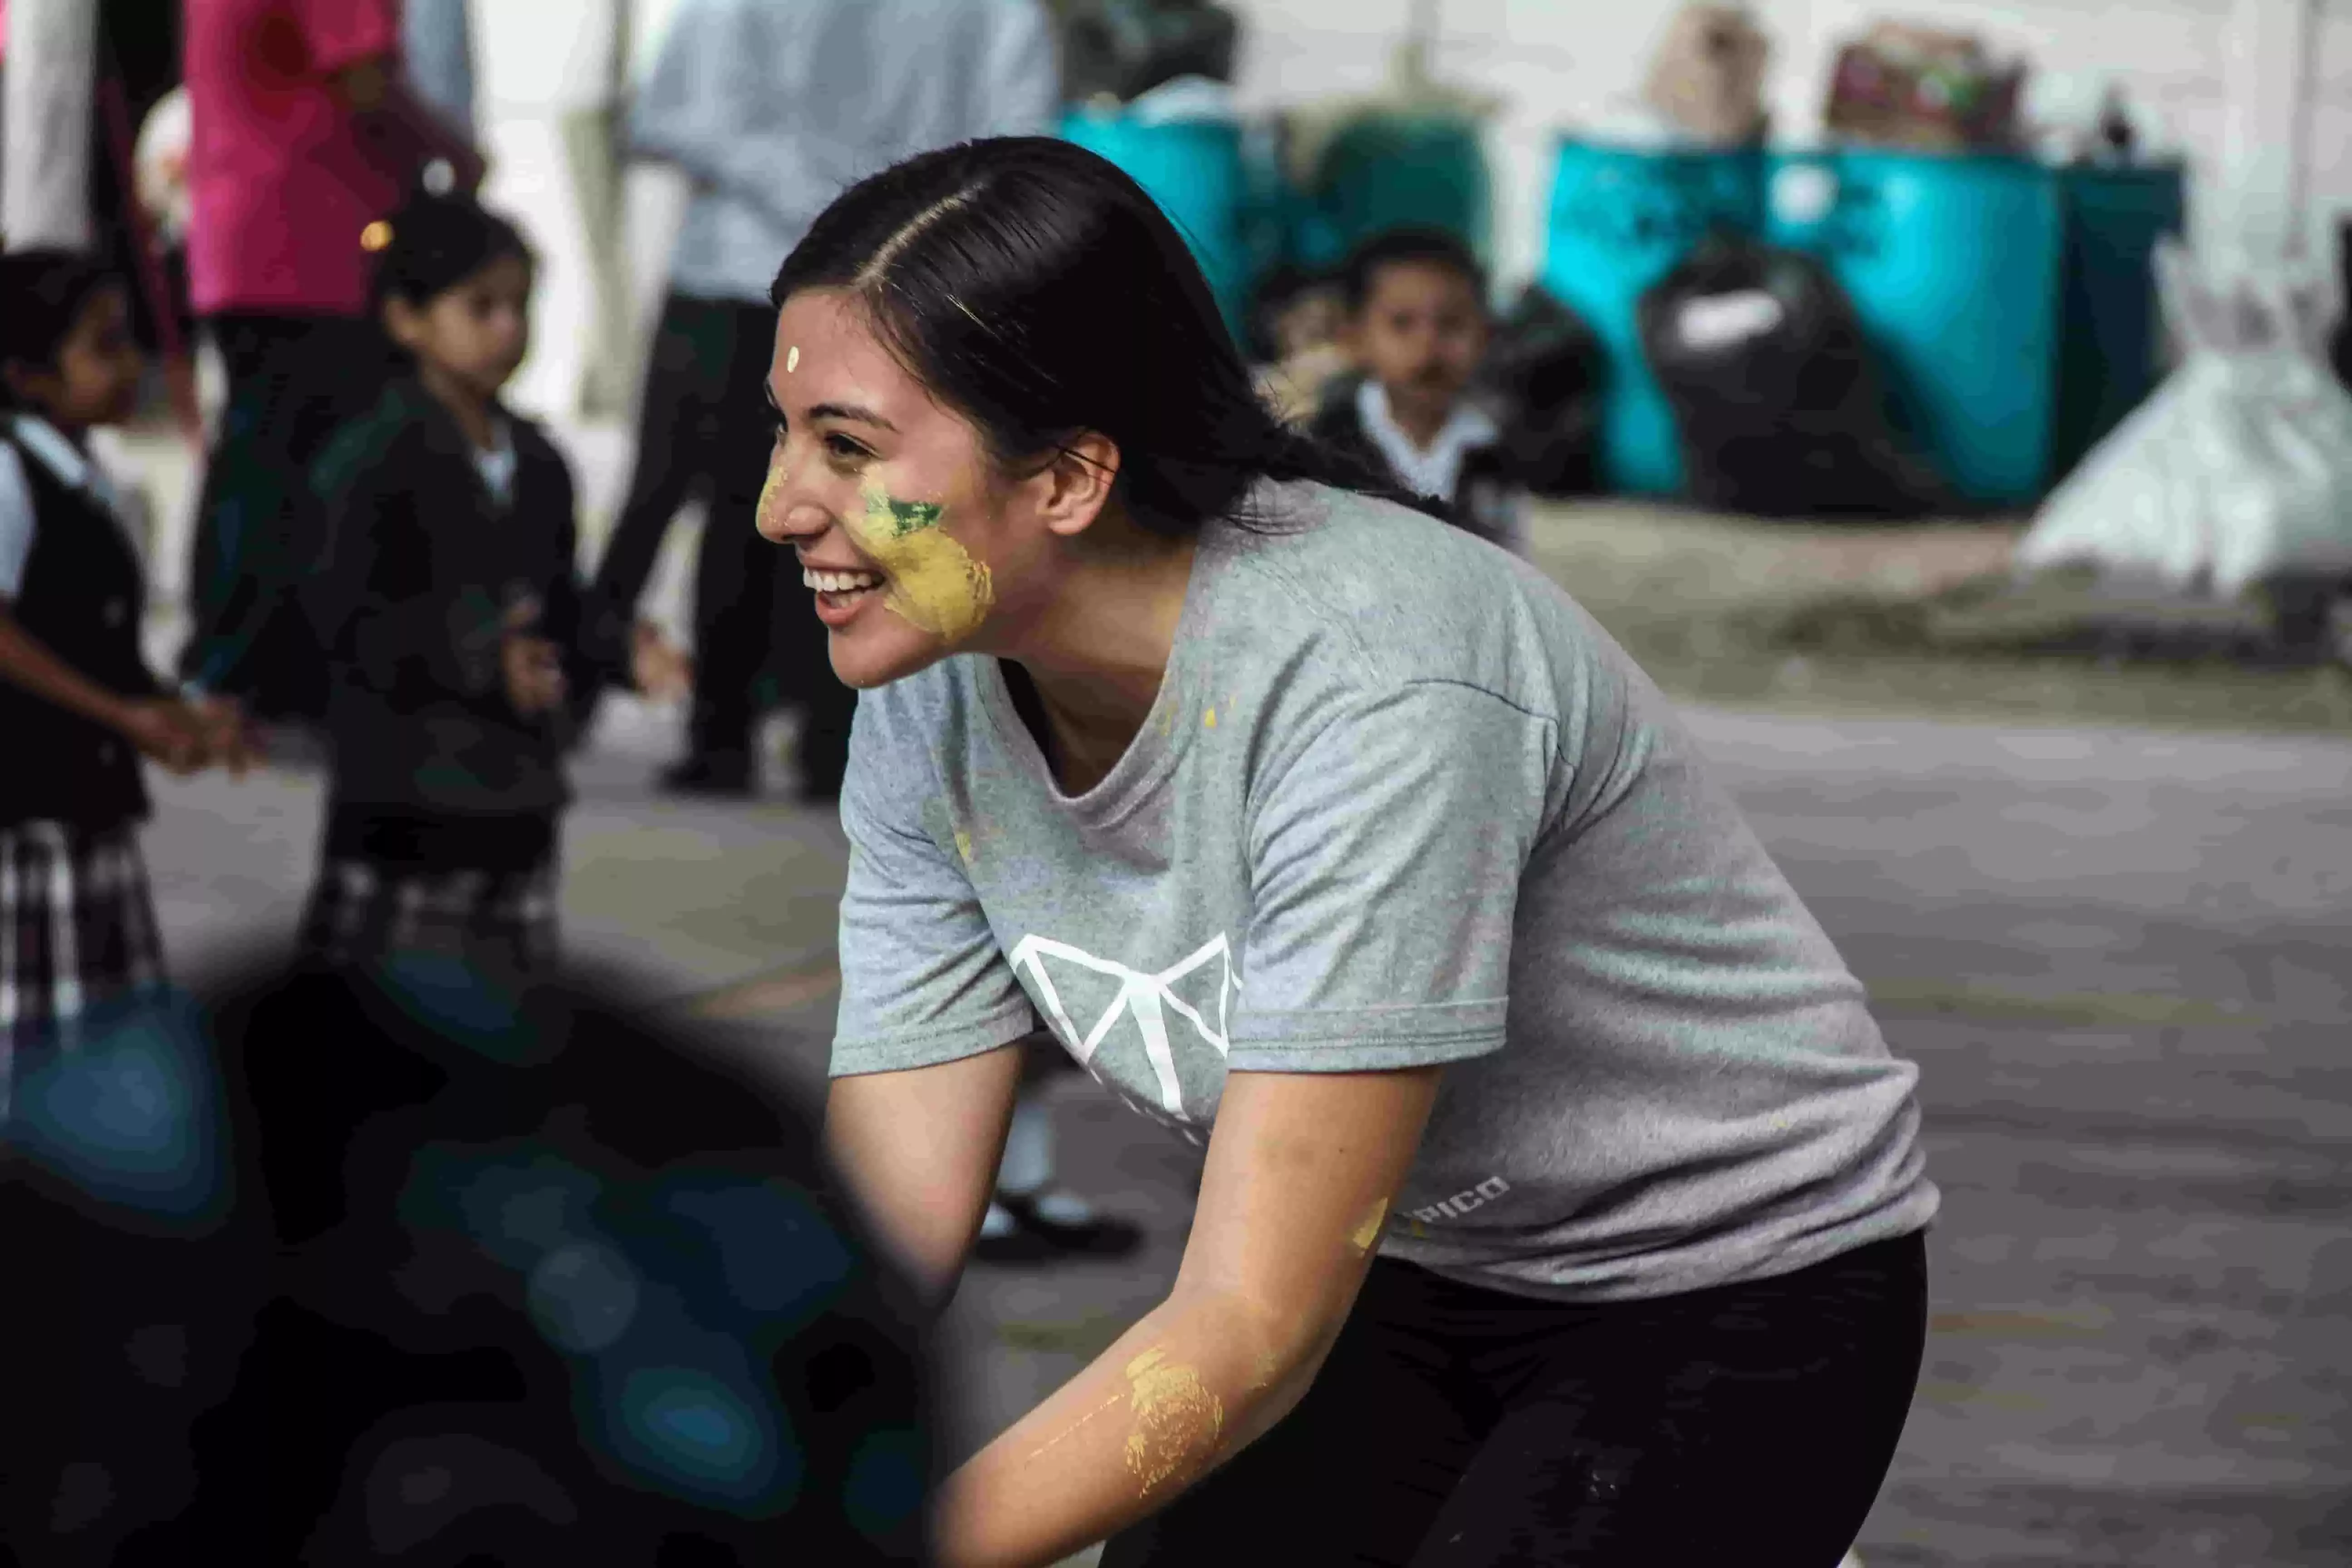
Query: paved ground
x=2121, y=958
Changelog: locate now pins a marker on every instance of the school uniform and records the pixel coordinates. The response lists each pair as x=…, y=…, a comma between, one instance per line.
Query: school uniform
x=1465, y=470
x=77, y=916
x=441, y=833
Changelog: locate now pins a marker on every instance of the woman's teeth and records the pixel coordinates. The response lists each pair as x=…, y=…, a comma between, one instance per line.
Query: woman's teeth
x=840, y=582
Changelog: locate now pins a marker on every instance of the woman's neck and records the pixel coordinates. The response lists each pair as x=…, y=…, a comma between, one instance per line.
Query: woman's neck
x=471, y=410
x=1097, y=660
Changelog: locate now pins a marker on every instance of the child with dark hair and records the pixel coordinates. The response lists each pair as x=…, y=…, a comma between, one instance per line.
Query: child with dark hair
x=1416, y=326
x=78, y=705
x=449, y=603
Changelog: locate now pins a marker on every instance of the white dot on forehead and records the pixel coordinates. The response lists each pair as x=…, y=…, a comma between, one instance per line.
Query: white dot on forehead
x=791, y=359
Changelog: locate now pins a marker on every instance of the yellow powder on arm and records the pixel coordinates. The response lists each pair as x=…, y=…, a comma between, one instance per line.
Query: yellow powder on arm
x=1177, y=1420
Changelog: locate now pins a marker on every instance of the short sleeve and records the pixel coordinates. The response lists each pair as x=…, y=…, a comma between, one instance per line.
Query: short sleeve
x=1385, y=864
x=339, y=34
x=15, y=522
x=923, y=980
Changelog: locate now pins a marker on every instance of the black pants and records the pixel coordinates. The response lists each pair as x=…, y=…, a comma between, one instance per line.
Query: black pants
x=1749, y=1424
x=293, y=381
x=707, y=432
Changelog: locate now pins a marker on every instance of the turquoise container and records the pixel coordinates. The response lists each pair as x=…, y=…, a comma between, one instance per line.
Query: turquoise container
x=1390, y=172
x=1197, y=172
x=1621, y=218
x=1954, y=265
x=2111, y=357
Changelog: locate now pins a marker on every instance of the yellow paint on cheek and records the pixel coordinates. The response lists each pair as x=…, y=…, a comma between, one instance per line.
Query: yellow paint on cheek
x=1368, y=1231
x=1177, y=1421
x=935, y=584
x=769, y=516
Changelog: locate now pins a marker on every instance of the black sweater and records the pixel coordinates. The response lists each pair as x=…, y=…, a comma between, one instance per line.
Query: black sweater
x=419, y=565
x=83, y=597
x=1483, y=495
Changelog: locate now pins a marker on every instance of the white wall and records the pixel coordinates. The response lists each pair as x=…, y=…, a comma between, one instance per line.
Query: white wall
x=1563, y=63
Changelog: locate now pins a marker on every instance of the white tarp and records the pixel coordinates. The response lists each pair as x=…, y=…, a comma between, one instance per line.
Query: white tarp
x=2239, y=469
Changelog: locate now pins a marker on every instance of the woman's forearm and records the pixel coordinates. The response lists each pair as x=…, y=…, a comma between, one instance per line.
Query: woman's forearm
x=1194, y=1383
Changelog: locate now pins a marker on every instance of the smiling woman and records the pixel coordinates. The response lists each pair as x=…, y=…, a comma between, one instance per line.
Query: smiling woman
x=1556, y=1169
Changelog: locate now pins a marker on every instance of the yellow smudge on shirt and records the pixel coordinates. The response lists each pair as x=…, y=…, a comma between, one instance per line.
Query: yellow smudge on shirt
x=935, y=584
x=1177, y=1420
x=963, y=846
x=791, y=359
x=1368, y=1231
x=1209, y=720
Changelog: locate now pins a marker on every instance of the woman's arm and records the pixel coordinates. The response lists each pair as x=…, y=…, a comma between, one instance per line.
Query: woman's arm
x=1301, y=1170
x=919, y=1150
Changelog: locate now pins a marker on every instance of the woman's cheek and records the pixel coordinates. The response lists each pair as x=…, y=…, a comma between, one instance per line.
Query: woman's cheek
x=936, y=585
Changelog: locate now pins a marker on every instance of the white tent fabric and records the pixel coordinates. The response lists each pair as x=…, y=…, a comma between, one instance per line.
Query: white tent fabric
x=2239, y=469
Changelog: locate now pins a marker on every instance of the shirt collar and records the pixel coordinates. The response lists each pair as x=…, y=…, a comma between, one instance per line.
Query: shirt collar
x=71, y=466
x=1433, y=471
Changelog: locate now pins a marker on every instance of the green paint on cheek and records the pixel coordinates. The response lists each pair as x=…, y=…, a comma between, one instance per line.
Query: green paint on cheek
x=911, y=516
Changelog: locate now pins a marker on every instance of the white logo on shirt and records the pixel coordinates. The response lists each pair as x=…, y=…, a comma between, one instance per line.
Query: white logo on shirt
x=1461, y=1202
x=1147, y=998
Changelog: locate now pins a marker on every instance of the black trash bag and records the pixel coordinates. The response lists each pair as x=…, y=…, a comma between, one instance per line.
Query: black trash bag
x=1781, y=410
x=1544, y=370
x=2339, y=351
x=419, y=1268
x=1127, y=48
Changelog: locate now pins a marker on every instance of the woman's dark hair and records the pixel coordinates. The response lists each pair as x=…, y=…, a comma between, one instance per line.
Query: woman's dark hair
x=1407, y=247
x=435, y=243
x=42, y=294
x=1038, y=291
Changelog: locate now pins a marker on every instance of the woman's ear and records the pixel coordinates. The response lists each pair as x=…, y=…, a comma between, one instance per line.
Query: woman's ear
x=1077, y=484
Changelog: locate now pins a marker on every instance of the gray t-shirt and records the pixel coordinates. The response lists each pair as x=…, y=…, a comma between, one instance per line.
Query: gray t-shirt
x=1400, y=802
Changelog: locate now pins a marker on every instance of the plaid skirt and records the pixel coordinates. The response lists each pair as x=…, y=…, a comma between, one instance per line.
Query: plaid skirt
x=365, y=912
x=76, y=931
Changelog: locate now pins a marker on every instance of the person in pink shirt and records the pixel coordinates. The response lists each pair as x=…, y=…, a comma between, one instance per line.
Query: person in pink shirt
x=303, y=132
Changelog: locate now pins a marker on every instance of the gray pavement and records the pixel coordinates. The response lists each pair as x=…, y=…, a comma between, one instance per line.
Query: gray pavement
x=2123, y=960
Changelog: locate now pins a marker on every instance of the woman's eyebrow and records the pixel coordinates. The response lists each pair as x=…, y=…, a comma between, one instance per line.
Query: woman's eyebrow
x=851, y=412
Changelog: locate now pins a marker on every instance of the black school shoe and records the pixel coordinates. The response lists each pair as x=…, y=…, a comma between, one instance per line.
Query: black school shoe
x=1037, y=1239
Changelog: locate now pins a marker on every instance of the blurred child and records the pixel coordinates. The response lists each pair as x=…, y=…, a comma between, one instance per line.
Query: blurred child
x=79, y=706
x=449, y=603
x=1416, y=328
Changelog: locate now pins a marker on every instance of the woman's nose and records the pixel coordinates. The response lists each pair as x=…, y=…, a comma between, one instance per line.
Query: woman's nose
x=783, y=515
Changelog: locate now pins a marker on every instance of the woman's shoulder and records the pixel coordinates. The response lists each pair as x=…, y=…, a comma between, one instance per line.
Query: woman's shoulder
x=1392, y=595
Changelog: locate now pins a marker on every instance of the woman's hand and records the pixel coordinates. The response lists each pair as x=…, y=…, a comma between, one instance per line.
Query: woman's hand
x=530, y=666
x=1301, y=1171
x=658, y=668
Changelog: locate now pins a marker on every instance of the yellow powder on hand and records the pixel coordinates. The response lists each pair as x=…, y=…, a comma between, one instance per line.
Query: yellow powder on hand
x=935, y=584
x=1177, y=1420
